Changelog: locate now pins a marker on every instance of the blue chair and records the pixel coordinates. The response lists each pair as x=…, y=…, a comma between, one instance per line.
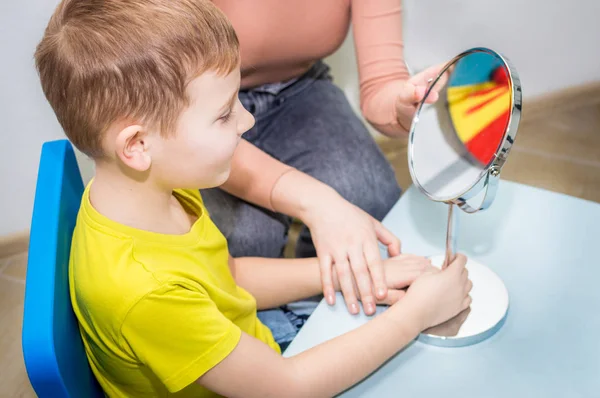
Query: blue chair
x=52, y=346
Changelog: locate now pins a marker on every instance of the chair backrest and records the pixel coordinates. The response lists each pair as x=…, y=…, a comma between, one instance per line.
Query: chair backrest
x=52, y=346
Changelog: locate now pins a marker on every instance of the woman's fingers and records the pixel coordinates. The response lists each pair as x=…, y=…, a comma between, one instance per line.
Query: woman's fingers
x=362, y=277
x=346, y=283
x=326, y=264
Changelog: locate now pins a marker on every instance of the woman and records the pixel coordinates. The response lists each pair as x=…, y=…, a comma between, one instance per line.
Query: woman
x=306, y=128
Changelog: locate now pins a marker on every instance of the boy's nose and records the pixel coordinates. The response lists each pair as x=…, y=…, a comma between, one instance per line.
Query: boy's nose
x=247, y=122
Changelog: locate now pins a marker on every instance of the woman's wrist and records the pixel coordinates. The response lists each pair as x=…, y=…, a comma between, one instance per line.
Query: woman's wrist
x=300, y=195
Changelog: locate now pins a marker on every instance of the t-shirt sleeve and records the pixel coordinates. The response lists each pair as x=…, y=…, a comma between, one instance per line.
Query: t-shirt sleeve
x=179, y=334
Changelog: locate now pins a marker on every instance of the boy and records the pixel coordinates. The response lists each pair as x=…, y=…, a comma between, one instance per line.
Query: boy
x=148, y=89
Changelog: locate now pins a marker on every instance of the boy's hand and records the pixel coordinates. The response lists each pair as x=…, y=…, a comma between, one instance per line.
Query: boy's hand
x=438, y=295
x=400, y=272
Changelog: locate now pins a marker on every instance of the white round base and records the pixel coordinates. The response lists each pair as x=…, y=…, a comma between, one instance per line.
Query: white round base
x=479, y=322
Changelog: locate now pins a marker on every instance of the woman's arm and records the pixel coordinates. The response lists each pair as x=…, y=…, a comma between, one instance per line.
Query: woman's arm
x=343, y=234
x=377, y=28
x=388, y=94
x=254, y=174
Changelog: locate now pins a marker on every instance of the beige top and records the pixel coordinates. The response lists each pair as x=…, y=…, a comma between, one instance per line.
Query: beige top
x=281, y=39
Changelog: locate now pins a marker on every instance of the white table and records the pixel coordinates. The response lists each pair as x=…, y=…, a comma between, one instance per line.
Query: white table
x=546, y=248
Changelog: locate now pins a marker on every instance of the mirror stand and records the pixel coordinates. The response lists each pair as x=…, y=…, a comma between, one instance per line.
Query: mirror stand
x=451, y=232
x=487, y=313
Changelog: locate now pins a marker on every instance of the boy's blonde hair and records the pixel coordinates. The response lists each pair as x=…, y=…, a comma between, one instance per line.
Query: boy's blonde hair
x=101, y=61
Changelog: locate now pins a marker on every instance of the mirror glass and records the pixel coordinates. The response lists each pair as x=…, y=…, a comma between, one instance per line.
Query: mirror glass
x=457, y=138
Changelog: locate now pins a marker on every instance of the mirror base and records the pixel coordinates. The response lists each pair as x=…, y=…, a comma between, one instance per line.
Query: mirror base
x=480, y=321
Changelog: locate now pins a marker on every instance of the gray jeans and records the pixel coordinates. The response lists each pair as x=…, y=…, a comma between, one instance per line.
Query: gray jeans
x=308, y=124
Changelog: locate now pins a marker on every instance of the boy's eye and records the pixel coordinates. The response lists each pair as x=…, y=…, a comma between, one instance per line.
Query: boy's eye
x=227, y=117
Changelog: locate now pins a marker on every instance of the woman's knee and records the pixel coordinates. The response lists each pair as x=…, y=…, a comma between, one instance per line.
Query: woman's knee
x=249, y=230
x=257, y=233
x=344, y=154
x=370, y=185
x=384, y=196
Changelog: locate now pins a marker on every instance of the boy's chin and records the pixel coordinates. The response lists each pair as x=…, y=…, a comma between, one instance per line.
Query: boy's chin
x=206, y=183
x=220, y=179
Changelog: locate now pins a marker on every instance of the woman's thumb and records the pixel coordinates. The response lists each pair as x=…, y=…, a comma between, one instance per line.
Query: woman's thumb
x=408, y=94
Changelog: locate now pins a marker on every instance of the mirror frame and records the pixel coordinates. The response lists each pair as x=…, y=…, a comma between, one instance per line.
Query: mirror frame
x=490, y=176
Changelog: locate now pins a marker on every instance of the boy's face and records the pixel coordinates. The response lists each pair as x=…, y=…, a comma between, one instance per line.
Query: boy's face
x=199, y=154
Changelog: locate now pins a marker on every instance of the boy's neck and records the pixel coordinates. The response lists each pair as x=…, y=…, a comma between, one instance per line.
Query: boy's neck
x=137, y=203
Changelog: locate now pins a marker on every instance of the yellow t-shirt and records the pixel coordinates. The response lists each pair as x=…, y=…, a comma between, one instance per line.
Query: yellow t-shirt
x=157, y=311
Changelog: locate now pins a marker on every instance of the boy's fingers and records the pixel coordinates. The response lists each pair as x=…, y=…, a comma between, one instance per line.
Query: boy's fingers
x=407, y=277
x=458, y=265
x=467, y=302
x=430, y=268
x=469, y=287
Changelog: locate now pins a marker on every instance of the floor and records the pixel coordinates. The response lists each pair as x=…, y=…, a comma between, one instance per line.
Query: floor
x=558, y=150
x=13, y=379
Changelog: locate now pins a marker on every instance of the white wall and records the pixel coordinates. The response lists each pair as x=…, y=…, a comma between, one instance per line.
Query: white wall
x=26, y=120
x=554, y=44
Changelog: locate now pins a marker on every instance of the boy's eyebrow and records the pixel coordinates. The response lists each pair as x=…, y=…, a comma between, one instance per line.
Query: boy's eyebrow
x=229, y=103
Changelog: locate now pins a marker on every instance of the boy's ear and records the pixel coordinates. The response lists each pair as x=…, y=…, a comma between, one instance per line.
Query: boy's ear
x=132, y=147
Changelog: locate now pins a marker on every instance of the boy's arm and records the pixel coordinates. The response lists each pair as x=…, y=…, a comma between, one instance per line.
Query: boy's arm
x=322, y=371
x=274, y=282
x=337, y=364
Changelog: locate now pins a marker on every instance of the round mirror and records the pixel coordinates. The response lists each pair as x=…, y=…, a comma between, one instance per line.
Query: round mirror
x=457, y=147
x=456, y=144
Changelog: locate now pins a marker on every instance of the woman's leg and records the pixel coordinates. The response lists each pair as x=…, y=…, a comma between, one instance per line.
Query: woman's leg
x=250, y=231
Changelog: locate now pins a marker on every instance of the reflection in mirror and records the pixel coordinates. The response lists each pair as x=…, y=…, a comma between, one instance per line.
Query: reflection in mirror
x=479, y=104
x=451, y=327
x=461, y=134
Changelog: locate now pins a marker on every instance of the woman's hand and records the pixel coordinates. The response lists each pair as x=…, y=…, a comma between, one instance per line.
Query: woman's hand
x=347, y=237
x=412, y=92
x=400, y=272
x=343, y=235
